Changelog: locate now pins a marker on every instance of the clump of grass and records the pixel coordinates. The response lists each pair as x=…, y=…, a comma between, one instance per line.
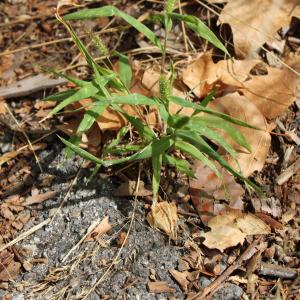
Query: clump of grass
x=108, y=89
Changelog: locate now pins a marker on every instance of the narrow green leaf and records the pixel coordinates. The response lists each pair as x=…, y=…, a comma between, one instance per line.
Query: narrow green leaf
x=109, y=11
x=142, y=154
x=105, y=11
x=180, y=121
x=214, y=136
x=125, y=70
x=196, y=153
x=202, y=145
x=61, y=95
x=164, y=113
x=87, y=91
x=218, y=123
x=76, y=81
x=120, y=150
x=90, y=116
x=74, y=140
x=186, y=103
x=201, y=29
x=133, y=99
x=84, y=154
x=114, y=82
x=120, y=135
x=180, y=164
x=145, y=131
x=208, y=98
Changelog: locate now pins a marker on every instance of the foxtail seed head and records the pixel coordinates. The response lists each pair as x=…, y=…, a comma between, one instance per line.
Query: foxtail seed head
x=99, y=44
x=164, y=88
x=169, y=5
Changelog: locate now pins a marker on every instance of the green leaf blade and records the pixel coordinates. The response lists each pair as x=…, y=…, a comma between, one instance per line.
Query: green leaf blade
x=87, y=91
x=201, y=29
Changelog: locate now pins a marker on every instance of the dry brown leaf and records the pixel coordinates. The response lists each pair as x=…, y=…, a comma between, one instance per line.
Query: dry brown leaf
x=6, y=62
x=9, y=269
x=128, y=188
x=103, y=227
x=231, y=229
x=10, y=272
x=181, y=278
x=271, y=206
x=91, y=138
x=253, y=22
x=223, y=237
x=8, y=156
x=39, y=198
x=213, y=186
x=270, y=221
x=160, y=287
x=6, y=212
x=241, y=108
x=2, y=106
x=203, y=74
x=208, y=187
x=251, y=225
x=275, y=92
x=164, y=216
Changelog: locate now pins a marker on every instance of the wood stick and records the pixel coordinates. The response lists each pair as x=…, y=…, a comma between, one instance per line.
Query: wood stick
x=256, y=245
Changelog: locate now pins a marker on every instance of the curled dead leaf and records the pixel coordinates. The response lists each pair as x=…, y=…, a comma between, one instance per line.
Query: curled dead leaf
x=103, y=227
x=181, y=278
x=164, y=216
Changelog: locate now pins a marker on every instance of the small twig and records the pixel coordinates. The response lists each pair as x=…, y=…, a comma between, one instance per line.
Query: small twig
x=67, y=194
x=277, y=271
x=90, y=229
x=255, y=246
x=288, y=173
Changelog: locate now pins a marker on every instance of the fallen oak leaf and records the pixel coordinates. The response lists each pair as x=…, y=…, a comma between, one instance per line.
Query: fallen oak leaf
x=253, y=22
x=223, y=238
x=231, y=228
x=128, y=188
x=275, y=92
x=203, y=74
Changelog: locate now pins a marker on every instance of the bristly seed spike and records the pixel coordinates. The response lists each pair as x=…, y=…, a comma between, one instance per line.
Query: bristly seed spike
x=169, y=6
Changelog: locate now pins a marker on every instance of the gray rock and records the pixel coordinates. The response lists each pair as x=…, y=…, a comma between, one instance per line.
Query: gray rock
x=18, y=297
x=146, y=248
x=229, y=292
